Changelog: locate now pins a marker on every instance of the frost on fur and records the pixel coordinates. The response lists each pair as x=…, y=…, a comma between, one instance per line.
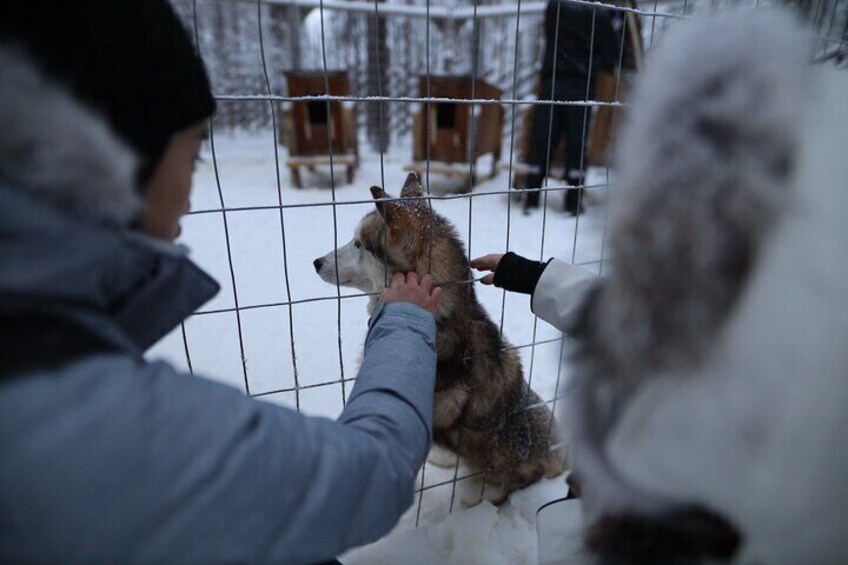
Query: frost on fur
x=59, y=151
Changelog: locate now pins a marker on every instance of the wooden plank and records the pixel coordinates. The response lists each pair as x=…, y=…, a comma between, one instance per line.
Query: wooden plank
x=522, y=168
x=439, y=168
x=321, y=160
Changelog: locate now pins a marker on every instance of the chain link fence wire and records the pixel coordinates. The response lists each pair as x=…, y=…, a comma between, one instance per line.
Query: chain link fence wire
x=384, y=47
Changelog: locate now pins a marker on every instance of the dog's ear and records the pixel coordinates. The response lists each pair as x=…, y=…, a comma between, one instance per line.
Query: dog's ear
x=403, y=221
x=379, y=194
x=412, y=186
x=394, y=212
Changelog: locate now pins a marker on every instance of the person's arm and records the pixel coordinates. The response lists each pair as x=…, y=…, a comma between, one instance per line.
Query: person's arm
x=129, y=462
x=287, y=488
x=311, y=488
x=518, y=274
x=557, y=288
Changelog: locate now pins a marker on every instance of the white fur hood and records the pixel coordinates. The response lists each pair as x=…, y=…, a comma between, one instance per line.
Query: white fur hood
x=755, y=428
x=708, y=378
x=60, y=152
x=758, y=431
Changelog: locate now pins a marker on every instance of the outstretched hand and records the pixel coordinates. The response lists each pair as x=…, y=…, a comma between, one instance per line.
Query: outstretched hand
x=487, y=263
x=406, y=288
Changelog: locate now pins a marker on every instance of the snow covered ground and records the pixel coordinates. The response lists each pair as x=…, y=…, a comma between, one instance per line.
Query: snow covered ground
x=453, y=528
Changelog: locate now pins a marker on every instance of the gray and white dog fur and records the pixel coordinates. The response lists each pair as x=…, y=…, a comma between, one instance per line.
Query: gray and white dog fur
x=703, y=172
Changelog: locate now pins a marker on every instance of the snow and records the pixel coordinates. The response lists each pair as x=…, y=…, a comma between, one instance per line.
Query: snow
x=452, y=526
x=482, y=533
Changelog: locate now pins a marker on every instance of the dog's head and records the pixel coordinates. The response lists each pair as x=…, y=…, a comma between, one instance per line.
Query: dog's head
x=393, y=238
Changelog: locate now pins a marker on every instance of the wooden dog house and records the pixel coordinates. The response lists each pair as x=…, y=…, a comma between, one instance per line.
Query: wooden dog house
x=442, y=131
x=614, y=87
x=315, y=130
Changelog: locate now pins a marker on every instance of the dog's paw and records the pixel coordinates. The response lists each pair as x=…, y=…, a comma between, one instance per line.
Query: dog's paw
x=441, y=457
x=495, y=495
x=555, y=464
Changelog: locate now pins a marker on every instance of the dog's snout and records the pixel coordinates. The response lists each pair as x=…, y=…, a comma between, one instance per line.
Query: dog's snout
x=318, y=264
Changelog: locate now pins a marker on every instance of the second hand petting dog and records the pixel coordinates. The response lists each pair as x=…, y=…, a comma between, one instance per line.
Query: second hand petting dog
x=483, y=411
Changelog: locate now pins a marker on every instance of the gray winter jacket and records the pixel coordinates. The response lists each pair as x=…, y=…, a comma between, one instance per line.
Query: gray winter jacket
x=109, y=458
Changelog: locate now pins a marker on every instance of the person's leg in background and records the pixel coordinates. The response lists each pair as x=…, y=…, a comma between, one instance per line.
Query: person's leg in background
x=547, y=132
x=577, y=130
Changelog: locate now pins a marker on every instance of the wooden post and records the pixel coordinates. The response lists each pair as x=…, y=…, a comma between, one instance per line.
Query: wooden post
x=378, y=62
x=294, y=37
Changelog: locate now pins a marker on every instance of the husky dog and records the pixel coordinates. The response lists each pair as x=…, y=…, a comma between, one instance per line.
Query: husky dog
x=483, y=411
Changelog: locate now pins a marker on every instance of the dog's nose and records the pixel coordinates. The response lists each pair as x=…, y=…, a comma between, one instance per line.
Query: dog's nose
x=318, y=264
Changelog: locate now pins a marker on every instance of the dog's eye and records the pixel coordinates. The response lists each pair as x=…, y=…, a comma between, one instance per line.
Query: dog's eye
x=357, y=244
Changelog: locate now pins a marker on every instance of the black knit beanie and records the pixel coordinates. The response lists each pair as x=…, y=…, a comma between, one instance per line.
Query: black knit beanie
x=130, y=60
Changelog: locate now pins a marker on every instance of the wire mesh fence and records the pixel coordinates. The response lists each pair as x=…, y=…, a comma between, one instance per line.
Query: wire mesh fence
x=277, y=330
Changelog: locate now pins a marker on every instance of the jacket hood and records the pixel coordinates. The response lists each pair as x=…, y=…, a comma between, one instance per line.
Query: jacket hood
x=59, y=151
x=67, y=198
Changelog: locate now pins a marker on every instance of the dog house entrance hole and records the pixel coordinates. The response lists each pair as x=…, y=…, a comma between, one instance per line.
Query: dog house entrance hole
x=317, y=113
x=445, y=115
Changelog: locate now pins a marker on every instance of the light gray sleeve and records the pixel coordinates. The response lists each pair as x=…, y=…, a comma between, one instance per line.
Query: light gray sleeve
x=335, y=485
x=560, y=292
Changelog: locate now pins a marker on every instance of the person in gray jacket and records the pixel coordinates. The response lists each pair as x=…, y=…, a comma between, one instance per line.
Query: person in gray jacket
x=104, y=456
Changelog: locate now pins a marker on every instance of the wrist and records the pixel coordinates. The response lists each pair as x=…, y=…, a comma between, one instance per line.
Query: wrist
x=518, y=274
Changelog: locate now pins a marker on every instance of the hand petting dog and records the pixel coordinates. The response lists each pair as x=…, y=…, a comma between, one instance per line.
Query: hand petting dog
x=406, y=288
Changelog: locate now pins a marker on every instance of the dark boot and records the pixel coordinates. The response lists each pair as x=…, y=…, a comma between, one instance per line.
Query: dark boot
x=574, y=201
x=531, y=202
x=574, y=196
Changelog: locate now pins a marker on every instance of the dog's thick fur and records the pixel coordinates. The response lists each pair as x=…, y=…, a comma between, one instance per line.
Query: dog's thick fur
x=483, y=410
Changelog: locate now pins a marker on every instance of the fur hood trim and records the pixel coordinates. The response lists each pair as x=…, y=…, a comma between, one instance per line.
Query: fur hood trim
x=59, y=151
x=705, y=168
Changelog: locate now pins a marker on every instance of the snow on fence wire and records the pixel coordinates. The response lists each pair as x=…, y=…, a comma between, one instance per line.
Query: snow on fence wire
x=384, y=46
